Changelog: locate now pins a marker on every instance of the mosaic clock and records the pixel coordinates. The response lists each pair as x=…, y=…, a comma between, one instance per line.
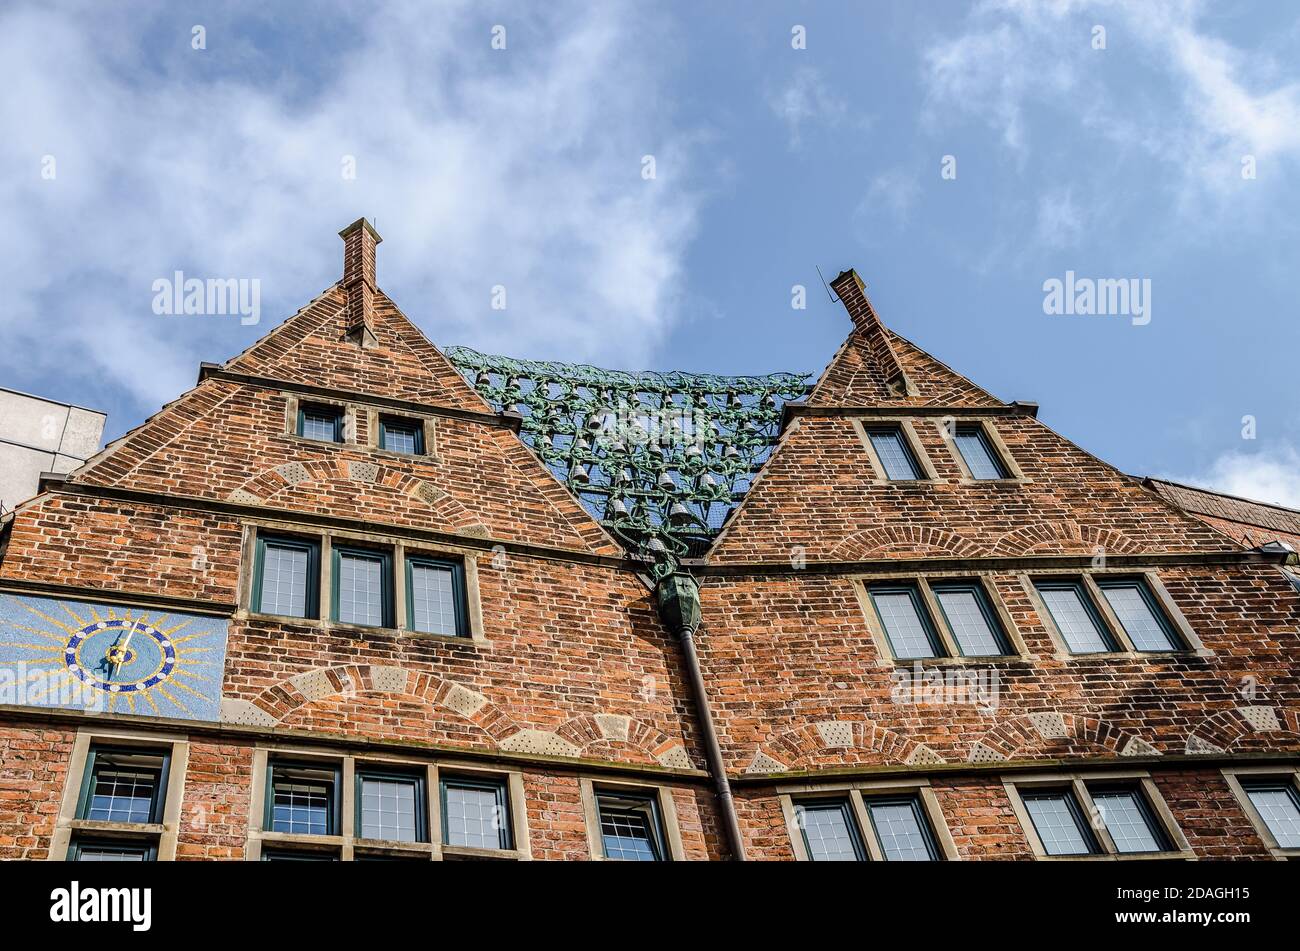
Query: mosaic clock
x=124, y=660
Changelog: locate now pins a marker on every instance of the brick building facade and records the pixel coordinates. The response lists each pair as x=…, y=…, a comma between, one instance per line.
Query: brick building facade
x=329, y=603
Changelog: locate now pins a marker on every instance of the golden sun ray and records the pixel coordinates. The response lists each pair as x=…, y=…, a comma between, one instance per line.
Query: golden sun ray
x=81, y=622
x=170, y=631
x=163, y=690
x=39, y=633
x=178, y=672
x=149, y=696
x=94, y=612
x=41, y=649
x=45, y=617
x=188, y=689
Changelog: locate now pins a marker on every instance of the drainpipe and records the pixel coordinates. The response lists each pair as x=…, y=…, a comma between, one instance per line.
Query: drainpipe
x=679, y=609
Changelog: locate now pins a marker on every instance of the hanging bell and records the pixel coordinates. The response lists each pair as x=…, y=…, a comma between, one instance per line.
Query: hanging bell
x=731, y=452
x=482, y=378
x=707, y=483
x=617, y=509
x=665, y=482
x=579, y=474
x=680, y=515
x=656, y=546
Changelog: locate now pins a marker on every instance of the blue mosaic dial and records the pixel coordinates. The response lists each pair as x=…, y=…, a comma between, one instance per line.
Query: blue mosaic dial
x=120, y=656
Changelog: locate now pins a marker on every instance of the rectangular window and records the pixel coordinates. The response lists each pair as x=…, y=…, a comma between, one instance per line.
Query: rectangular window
x=436, y=597
x=286, y=577
x=475, y=812
x=1129, y=820
x=324, y=423
x=829, y=832
x=971, y=619
x=390, y=806
x=1135, y=606
x=124, y=786
x=905, y=621
x=630, y=826
x=1278, y=805
x=977, y=452
x=401, y=435
x=894, y=454
x=1059, y=822
x=98, y=850
x=362, y=587
x=901, y=829
x=303, y=799
x=284, y=855
x=1076, y=617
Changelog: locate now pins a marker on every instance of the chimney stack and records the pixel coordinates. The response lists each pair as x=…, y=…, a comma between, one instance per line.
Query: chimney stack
x=359, y=241
x=852, y=292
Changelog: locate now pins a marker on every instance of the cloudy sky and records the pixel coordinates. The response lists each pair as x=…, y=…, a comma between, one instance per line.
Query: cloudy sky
x=1157, y=141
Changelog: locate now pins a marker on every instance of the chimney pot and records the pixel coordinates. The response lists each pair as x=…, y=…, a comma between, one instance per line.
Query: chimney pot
x=359, y=241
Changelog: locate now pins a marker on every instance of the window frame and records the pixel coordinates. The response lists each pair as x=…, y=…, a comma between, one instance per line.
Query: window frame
x=665, y=807
x=980, y=592
x=993, y=443
x=860, y=795
x=460, y=591
x=334, y=818
x=1239, y=778
x=498, y=785
x=388, y=620
x=1079, y=785
x=417, y=778
x=1110, y=643
x=156, y=801
x=913, y=591
x=1105, y=582
x=865, y=426
x=312, y=598
x=415, y=427
x=338, y=412
x=845, y=805
x=78, y=842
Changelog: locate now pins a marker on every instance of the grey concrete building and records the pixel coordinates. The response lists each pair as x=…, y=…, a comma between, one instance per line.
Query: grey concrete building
x=41, y=435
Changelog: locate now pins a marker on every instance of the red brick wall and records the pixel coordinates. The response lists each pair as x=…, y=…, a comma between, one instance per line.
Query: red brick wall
x=33, y=770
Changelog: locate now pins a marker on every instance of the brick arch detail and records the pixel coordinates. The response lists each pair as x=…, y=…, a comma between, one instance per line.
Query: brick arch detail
x=904, y=540
x=1023, y=733
x=795, y=747
x=1063, y=534
x=1227, y=729
x=592, y=728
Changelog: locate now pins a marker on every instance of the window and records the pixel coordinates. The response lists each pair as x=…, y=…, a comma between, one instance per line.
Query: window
x=435, y=596
x=977, y=452
x=362, y=587
x=895, y=456
x=1070, y=816
x=1277, y=803
x=1134, y=606
x=390, y=806
x=123, y=786
x=630, y=827
x=303, y=799
x=905, y=621
x=1076, y=617
x=894, y=828
x=98, y=850
x=401, y=435
x=286, y=855
x=971, y=619
x=475, y=813
x=286, y=578
x=324, y=423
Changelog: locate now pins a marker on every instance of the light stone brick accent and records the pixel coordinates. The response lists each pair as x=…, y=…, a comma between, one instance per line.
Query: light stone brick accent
x=245, y=713
x=765, y=764
x=1050, y=725
x=923, y=756
x=540, y=742
x=476, y=531
x=979, y=753
x=614, y=726
x=388, y=679
x=675, y=758
x=244, y=497
x=464, y=701
x=363, y=471
x=1196, y=745
x=314, y=685
x=836, y=732
x=292, y=472
x=430, y=493
x=1263, y=719
x=1136, y=746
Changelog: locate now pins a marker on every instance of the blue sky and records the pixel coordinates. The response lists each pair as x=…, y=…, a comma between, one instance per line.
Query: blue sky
x=524, y=167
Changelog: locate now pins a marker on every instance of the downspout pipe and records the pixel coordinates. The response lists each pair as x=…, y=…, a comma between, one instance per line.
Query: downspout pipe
x=679, y=608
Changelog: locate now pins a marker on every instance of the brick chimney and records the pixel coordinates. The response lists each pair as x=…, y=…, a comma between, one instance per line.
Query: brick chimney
x=359, y=241
x=852, y=293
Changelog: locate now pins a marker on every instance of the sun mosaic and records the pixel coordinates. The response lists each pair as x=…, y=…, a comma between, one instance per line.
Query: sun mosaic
x=56, y=653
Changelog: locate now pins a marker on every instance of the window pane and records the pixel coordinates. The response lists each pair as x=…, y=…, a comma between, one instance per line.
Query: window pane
x=361, y=589
x=302, y=802
x=898, y=829
x=1058, y=824
x=284, y=580
x=433, y=599
x=110, y=853
x=907, y=632
x=389, y=808
x=1074, y=620
x=1128, y=822
x=121, y=791
x=320, y=424
x=828, y=832
x=400, y=437
x=968, y=622
x=475, y=815
x=1279, y=807
x=1140, y=623
x=627, y=830
x=977, y=454
x=894, y=457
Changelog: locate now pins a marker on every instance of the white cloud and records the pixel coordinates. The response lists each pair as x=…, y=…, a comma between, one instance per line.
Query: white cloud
x=1061, y=222
x=894, y=191
x=519, y=167
x=1265, y=476
x=806, y=98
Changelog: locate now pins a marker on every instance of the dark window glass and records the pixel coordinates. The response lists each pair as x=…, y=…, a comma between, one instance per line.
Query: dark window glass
x=1129, y=820
x=630, y=828
x=287, y=577
x=894, y=455
x=285, y=855
x=829, y=832
x=1143, y=621
x=303, y=800
x=435, y=594
x=90, y=850
x=1278, y=804
x=906, y=623
x=401, y=435
x=1076, y=617
x=475, y=812
x=901, y=829
x=123, y=786
x=390, y=806
x=978, y=454
x=1059, y=823
x=324, y=423
x=361, y=587
x=971, y=619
